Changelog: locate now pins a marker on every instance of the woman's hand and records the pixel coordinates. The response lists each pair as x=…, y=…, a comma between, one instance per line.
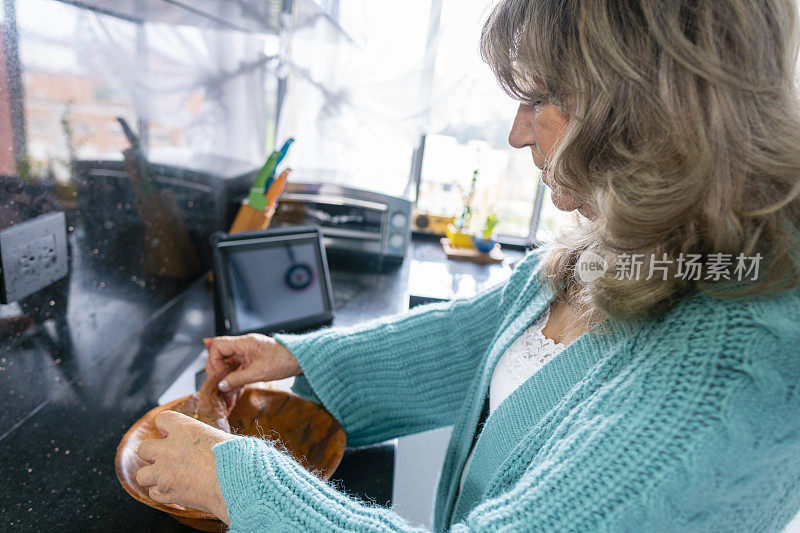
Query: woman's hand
x=183, y=469
x=252, y=357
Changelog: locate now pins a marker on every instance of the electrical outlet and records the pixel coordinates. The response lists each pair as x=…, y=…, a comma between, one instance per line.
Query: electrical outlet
x=33, y=254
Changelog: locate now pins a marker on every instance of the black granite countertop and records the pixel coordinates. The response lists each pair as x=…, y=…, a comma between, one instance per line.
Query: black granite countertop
x=432, y=277
x=107, y=342
x=104, y=346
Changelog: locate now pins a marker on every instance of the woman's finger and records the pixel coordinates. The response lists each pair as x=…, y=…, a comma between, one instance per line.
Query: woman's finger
x=149, y=449
x=160, y=497
x=168, y=421
x=240, y=378
x=146, y=476
x=224, y=351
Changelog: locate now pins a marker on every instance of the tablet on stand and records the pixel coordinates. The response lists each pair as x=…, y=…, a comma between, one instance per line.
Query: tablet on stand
x=269, y=281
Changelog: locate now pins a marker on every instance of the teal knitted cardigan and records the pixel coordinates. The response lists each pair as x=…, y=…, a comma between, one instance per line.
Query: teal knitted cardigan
x=688, y=422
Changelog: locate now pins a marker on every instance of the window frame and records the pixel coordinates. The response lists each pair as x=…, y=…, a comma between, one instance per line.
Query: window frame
x=415, y=175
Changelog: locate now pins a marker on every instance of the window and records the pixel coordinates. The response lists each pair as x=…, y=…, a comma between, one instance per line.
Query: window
x=82, y=69
x=470, y=118
x=384, y=83
x=353, y=98
x=64, y=116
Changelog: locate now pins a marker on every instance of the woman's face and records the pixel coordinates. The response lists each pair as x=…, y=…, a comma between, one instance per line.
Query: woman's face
x=542, y=127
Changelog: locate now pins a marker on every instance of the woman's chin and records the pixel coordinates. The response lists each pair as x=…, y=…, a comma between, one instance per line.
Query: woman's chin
x=566, y=203
x=571, y=204
x=587, y=212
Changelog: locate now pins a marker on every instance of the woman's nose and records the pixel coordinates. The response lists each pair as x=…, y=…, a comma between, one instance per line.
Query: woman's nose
x=521, y=133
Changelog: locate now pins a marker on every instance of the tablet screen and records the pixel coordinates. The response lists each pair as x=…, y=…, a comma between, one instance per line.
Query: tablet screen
x=274, y=281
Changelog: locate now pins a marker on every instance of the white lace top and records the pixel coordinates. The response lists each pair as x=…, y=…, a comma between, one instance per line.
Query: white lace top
x=521, y=360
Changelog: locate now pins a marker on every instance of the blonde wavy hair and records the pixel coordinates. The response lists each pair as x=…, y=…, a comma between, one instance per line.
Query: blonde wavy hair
x=684, y=135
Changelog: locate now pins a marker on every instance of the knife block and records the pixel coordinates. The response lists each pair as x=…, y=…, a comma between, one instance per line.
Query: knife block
x=249, y=218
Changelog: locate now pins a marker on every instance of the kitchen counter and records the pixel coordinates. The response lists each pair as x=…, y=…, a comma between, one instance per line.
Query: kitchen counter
x=433, y=277
x=97, y=359
x=109, y=341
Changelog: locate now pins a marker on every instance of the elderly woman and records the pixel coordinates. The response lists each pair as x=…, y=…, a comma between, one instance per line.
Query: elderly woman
x=641, y=373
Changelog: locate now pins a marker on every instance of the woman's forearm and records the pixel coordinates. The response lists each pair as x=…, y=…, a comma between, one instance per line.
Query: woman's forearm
x=401, y=374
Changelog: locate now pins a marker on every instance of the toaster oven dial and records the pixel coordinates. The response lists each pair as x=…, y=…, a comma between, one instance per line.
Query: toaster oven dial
x=399, y=221
x=396, y=240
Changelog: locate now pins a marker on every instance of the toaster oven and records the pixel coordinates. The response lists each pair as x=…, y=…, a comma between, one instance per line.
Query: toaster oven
x=355, y=223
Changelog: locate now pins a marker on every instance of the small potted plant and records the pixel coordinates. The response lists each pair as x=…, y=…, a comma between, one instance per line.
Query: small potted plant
x=458, y=232
x=485, y=243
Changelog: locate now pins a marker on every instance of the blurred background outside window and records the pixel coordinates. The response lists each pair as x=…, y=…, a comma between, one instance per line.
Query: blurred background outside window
x=403, y=79
x=378, y=95
x=186, y=87
x=470, y=118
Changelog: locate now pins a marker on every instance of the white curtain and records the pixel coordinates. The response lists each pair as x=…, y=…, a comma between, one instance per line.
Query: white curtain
x=210, y=83
x=353, y=102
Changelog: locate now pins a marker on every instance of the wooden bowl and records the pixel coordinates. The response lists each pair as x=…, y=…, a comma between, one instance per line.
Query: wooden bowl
x=306, y=430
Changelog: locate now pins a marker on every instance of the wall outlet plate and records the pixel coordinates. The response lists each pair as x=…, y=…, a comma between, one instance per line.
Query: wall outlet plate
x=33, y=254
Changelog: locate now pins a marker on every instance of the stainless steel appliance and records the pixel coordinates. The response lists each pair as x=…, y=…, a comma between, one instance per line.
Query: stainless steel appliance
x=354, y=222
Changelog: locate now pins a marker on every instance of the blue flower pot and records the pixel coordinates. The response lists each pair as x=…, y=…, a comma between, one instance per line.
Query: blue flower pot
x=484, y=246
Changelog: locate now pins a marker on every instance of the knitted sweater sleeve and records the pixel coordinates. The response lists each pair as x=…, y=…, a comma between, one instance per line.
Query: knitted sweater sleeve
x=714, y=455
x=402, y=374
x=686, y=448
